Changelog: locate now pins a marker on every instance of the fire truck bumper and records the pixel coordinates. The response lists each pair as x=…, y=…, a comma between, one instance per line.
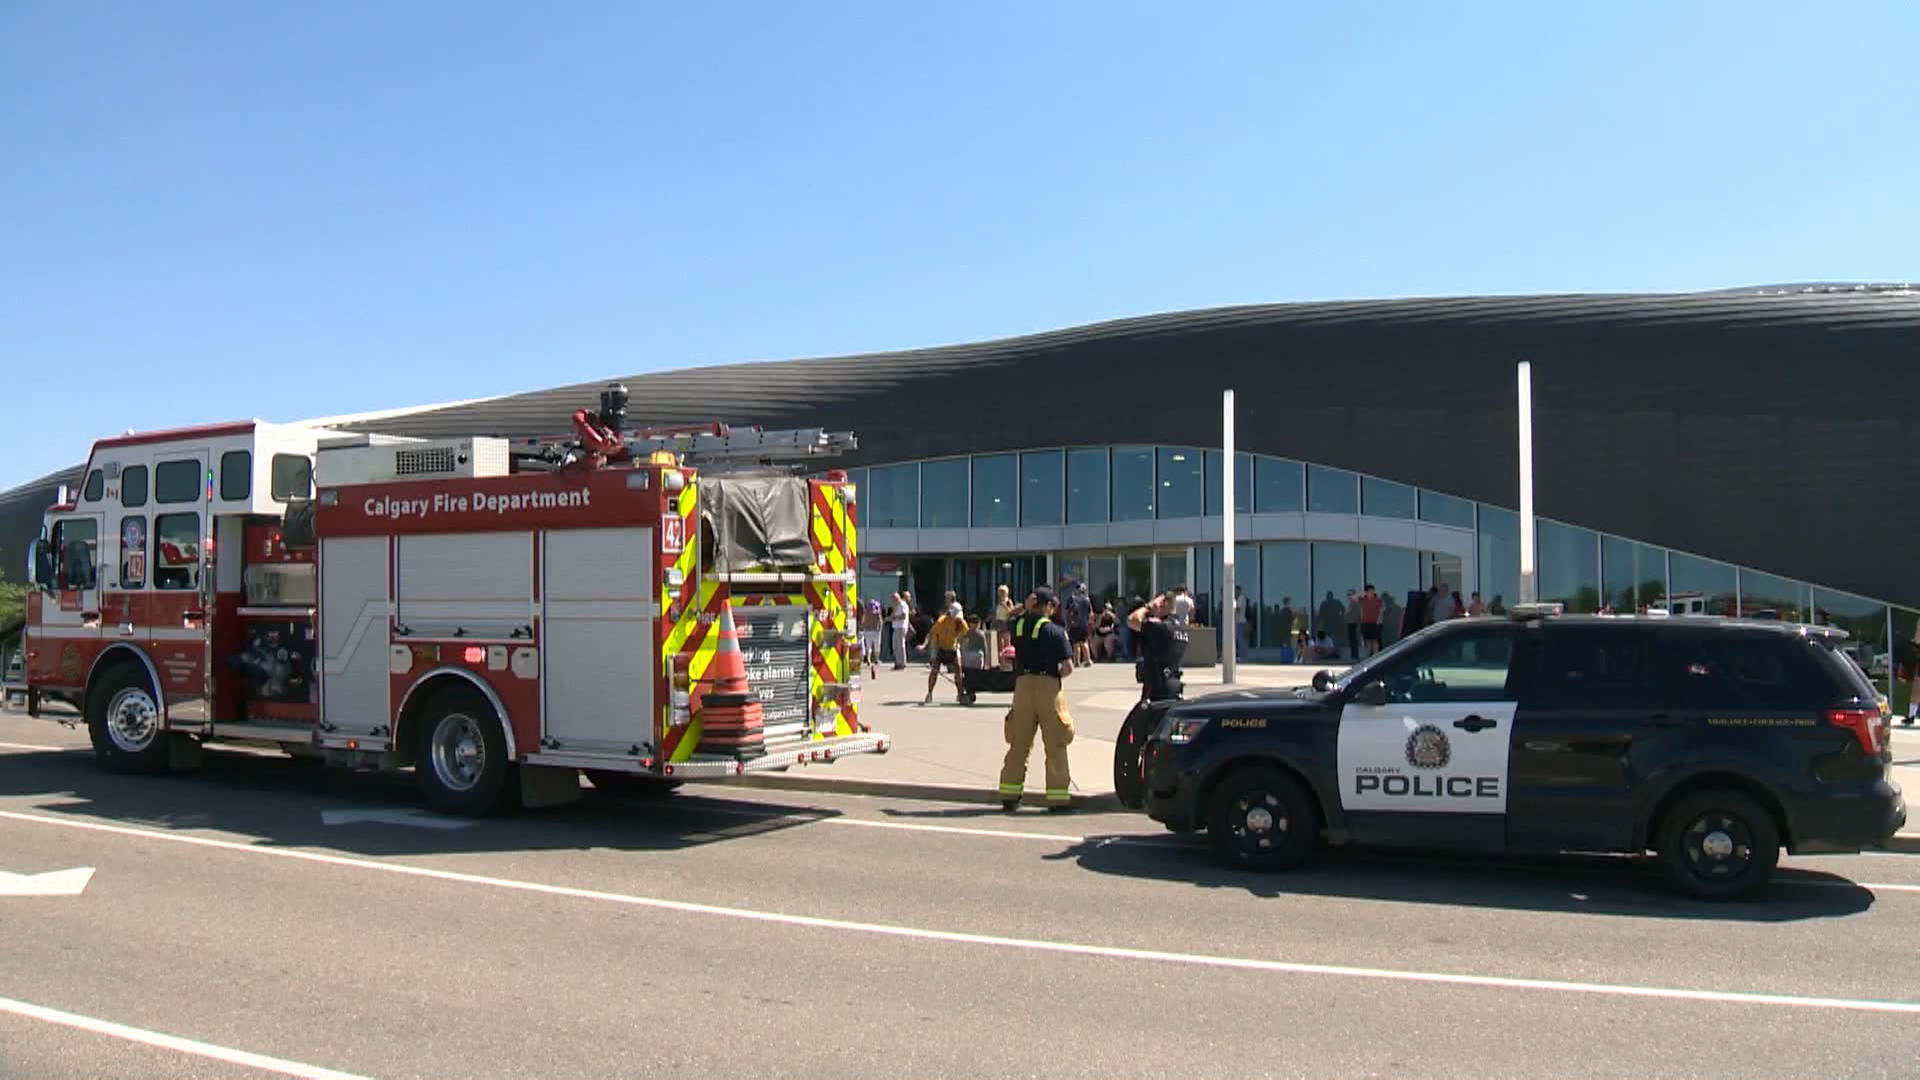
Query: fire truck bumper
x=816, y=752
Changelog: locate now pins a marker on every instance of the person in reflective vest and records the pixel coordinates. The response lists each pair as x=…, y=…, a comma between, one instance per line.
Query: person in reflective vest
x=1043, y=657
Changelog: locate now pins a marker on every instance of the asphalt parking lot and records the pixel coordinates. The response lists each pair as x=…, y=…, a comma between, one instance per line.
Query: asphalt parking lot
x=269, y=917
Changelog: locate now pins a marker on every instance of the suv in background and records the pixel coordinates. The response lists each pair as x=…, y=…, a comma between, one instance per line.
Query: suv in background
x=1711, y=742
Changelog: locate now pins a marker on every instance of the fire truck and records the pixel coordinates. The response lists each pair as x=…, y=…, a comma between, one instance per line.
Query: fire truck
x=646, y=607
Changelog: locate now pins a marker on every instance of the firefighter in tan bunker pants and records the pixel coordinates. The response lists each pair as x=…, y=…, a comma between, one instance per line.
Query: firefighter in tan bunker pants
x=1042, y=659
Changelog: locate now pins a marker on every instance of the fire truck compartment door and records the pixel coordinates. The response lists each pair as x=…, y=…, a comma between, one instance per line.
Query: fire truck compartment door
x=354, y=684
x=597, y=652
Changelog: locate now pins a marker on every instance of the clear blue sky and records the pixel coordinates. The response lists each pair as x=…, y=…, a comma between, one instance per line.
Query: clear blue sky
x=218, y=210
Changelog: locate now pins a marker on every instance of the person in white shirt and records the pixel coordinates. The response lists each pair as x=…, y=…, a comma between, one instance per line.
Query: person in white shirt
x=1182, y=607
x=902, y=619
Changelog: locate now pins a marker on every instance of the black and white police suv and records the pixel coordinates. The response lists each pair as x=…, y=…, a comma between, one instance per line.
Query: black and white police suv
x=1710, y=742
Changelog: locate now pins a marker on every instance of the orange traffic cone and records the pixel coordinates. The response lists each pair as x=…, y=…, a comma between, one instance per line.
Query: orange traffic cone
x=730, y=713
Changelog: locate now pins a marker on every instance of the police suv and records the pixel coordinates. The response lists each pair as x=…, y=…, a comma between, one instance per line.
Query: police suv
x=1711, y=742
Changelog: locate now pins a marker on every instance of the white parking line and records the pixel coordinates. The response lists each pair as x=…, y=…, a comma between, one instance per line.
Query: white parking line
x=173, y=1042
x=1733, y=997
x=32, y=747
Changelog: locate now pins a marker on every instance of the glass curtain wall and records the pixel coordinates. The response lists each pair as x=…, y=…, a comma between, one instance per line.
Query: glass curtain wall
x=1286, y=578
x=943, y=493
x=1763, y=596
x=1133, y=494
x=996, y=486
x=1633, y=577
x=1087, y=487
x=1569, y=567
x=1714, y=583
x=1393, y=572
x=1183, y=482
x=1499, y=556
x=1336, y=568
x=1042, y=489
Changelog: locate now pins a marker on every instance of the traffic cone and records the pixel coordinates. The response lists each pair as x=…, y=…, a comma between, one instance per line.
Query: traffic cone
x=730, y=712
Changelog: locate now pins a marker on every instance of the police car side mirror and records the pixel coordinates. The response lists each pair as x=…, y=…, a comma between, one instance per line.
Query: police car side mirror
x=1322, y=682
x=1373, y=693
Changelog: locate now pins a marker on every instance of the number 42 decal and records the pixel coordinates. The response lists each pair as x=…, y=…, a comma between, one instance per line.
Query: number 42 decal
x=673, y=535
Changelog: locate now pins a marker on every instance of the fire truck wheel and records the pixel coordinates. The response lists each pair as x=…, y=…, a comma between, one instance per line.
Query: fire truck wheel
x=123, y=722
x=461, y=758
x=632, y=785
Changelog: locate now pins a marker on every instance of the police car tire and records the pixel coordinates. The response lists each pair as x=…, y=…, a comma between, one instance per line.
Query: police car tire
x=1722, y=810
x=624, y=785
x=1128, y=747
x=1285, y=802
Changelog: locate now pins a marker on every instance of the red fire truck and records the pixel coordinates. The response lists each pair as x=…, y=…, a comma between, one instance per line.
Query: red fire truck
x=501, y=616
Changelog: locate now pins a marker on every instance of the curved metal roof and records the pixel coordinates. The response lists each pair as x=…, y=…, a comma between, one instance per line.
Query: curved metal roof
x=1763, y=426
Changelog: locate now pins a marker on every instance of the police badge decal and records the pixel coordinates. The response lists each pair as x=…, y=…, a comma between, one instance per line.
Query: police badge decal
x=1427, y=748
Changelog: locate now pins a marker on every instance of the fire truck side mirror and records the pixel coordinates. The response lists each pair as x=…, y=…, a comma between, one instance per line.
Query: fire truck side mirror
x=40, y=564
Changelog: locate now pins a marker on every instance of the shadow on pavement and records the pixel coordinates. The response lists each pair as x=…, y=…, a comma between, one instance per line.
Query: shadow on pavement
x=279, y=801
x=1589, y=885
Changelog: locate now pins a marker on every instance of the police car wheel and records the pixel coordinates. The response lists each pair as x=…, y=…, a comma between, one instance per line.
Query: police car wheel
x=1718, y=845
x=1262, y=819
x=1129, y=786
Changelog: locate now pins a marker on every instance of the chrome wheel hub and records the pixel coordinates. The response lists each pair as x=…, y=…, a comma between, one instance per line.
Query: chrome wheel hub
x=1717, y=845
x=459, y=752
x=133, y=720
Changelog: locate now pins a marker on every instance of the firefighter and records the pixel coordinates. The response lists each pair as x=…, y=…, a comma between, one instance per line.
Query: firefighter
x=1043, y=657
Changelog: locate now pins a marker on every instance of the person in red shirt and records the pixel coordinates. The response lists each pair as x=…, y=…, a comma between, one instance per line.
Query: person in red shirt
x=1371, y=605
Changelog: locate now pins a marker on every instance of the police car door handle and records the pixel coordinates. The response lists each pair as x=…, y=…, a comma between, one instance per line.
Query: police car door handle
x=1476, y=723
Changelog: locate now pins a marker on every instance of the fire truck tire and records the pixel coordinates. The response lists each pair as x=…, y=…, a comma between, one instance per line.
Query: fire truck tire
x=632, y=785
x=460, y=760
x=123, y=722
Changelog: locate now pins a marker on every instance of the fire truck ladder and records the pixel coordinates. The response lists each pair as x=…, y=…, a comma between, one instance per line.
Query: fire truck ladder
x=720, y=443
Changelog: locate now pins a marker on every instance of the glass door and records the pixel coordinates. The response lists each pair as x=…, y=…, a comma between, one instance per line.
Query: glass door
x=1136, y=575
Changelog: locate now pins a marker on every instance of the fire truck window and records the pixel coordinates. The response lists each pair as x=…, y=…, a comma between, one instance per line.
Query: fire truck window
x=78, y=541
x=133, y=485
x=236, y=475
x=133, y=552
x=176, y=551
x=292, y=477
x=176, y=482
x=96, y=486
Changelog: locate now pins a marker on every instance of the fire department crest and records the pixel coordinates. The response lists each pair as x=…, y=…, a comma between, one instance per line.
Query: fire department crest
x=1427, y=748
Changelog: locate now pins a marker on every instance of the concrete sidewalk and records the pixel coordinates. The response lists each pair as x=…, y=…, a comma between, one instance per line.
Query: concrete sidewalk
x=951, y=751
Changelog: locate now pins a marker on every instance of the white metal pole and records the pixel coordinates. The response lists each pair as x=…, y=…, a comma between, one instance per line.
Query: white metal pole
x=1228, y=641
x=1529, y=592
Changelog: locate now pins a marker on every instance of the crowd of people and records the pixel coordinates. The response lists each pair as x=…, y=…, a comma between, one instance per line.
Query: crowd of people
x=1368, y=620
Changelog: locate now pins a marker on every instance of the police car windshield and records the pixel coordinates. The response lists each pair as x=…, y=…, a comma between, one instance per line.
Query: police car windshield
x=1387, y=655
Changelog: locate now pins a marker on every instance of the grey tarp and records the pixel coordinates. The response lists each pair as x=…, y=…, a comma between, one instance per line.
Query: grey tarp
x=756, y=522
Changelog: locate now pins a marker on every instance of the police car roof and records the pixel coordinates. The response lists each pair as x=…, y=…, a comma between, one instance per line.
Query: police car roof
x=1778, y=626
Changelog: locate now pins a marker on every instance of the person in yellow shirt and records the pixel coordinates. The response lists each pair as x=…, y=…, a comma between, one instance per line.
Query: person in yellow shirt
x=943, y=642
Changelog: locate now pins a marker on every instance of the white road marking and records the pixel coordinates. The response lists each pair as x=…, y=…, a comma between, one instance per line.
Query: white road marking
x=34, y=748
x=173, y=1042
x=418, y=819
x=914, y=933
x=51, y=883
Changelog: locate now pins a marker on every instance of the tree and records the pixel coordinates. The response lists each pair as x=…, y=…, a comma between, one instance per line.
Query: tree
x=13, y=602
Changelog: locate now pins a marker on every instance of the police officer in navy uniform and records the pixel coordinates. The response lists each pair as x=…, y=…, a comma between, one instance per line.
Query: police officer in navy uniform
x=1043, y=658
x=1163, y=645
